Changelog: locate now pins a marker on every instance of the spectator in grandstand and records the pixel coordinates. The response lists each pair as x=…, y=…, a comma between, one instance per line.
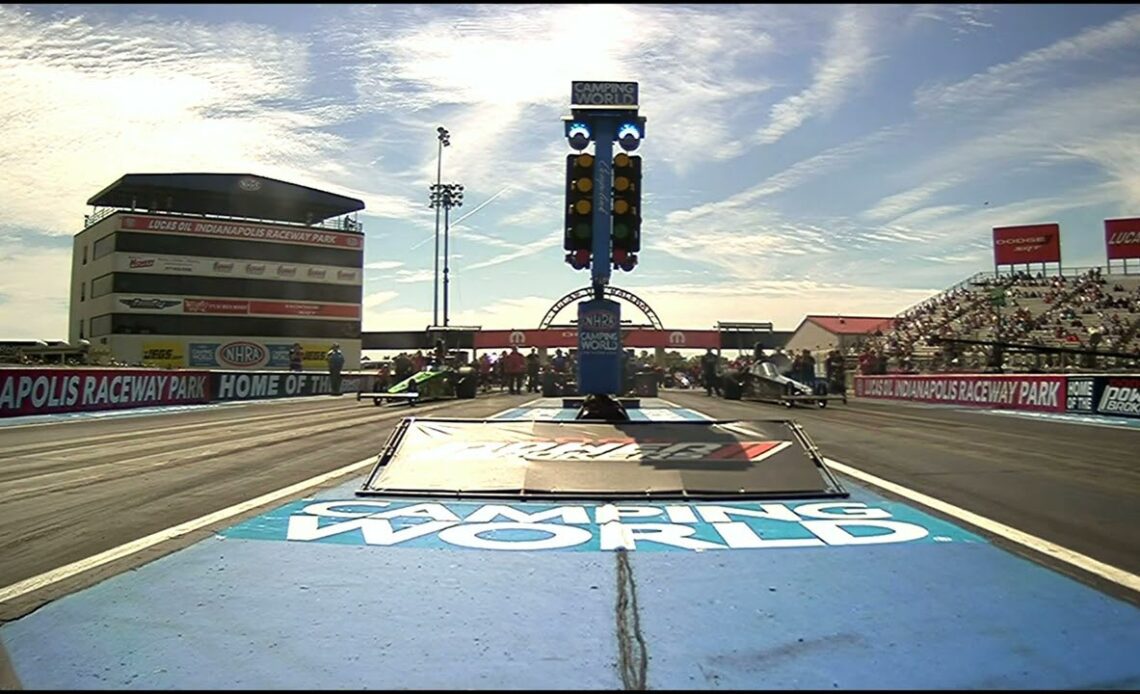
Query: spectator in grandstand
x=296, y=357
x=335, y=360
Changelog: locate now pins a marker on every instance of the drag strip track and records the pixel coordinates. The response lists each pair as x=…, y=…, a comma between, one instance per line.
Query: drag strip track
x=73, y=489
x=1077, y=486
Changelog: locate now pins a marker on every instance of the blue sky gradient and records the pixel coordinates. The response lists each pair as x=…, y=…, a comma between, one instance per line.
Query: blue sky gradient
x=799, y=159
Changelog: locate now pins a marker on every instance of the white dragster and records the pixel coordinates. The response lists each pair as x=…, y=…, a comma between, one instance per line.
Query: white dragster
x=763, y=381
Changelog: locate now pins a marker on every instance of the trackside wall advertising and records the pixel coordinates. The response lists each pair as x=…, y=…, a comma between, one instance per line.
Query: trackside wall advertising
x=1039, y=393
x=43, y=391
x=247, y=385
x=1117, y=396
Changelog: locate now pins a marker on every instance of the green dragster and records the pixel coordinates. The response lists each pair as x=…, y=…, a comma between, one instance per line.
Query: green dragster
x=433, y=383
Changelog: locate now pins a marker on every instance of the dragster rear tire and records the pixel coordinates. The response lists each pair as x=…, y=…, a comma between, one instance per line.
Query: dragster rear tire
x=465, y=388
x=732, y=390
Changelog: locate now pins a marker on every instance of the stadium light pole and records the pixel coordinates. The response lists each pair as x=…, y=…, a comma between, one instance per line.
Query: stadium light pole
x=444, y=138
x=451, y=195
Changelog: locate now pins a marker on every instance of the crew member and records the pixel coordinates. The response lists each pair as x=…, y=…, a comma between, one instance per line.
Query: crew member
x=836, y=377
x=532, y=371
x=296, y=357
x=708, y=371
x=335, y=360
x=514, y=368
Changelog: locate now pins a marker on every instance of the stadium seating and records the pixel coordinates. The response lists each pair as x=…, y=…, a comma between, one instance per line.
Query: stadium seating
x=1081, y=310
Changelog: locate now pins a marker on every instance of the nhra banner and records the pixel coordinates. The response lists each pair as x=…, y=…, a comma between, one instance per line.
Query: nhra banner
x=48, y=391
x=1122, y=238
x=278, y=384
x=253, y=354
x=1037, y=393
x=1034, y=243
x=308, y=236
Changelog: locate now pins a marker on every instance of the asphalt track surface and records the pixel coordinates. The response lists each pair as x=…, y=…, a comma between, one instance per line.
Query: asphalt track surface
x=1075, y=485
x=70, y=490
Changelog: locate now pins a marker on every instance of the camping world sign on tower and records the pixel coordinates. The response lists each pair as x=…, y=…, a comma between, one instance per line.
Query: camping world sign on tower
x=621, y=95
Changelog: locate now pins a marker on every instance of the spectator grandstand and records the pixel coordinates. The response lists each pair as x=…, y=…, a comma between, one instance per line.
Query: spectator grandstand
x=1053, y=317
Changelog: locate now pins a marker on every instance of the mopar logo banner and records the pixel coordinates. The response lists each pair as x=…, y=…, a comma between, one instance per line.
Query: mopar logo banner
x=599, y=347
x=277, y=384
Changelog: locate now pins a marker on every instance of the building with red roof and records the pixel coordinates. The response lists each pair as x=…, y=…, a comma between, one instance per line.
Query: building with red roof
x=824, y=333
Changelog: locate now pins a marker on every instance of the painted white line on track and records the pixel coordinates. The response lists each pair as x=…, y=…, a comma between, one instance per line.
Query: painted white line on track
x=75, y=568
x=516, y=407
x=1081, y=561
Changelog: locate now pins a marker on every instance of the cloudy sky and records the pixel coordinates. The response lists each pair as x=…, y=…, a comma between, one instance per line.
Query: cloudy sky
x=799, y=159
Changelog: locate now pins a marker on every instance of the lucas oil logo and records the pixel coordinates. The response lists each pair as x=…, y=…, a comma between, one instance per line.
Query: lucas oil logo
x=242, y=354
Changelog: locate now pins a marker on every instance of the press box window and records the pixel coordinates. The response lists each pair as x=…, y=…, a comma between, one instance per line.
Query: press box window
x=103, y=246
x=101, y=325
x=101, y=285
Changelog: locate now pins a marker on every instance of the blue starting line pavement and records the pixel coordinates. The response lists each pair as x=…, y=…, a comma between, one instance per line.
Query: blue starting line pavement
x=335, y=591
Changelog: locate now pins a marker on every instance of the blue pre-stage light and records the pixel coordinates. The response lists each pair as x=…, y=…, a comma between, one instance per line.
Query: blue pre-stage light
x=579, y=135
x=629, y=136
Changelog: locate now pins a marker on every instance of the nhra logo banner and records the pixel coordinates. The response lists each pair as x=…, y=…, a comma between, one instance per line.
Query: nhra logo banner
x=1034, y=243
x=1122, y=238
x=1034, y=393
x=48, y=391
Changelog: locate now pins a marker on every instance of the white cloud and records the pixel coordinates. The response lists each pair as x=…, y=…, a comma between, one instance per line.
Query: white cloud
x=962, y=19
x=545, y=243
x=847, y=56
x=1009, y=80
x=383, y=265
x=375, y=299
x=895, y=205
x=35, y=288
x=696, y=307
x=525, y=312
x=408, y=276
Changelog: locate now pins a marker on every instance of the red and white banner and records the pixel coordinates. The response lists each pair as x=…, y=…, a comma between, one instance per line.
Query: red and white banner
x=1122, y=238
x=236, y=230
x=233, y=307
x=226, y=267
x=1036, y=393
x=270, y=308
x=46, y=391
x=1033, y=243
x=568, y=338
